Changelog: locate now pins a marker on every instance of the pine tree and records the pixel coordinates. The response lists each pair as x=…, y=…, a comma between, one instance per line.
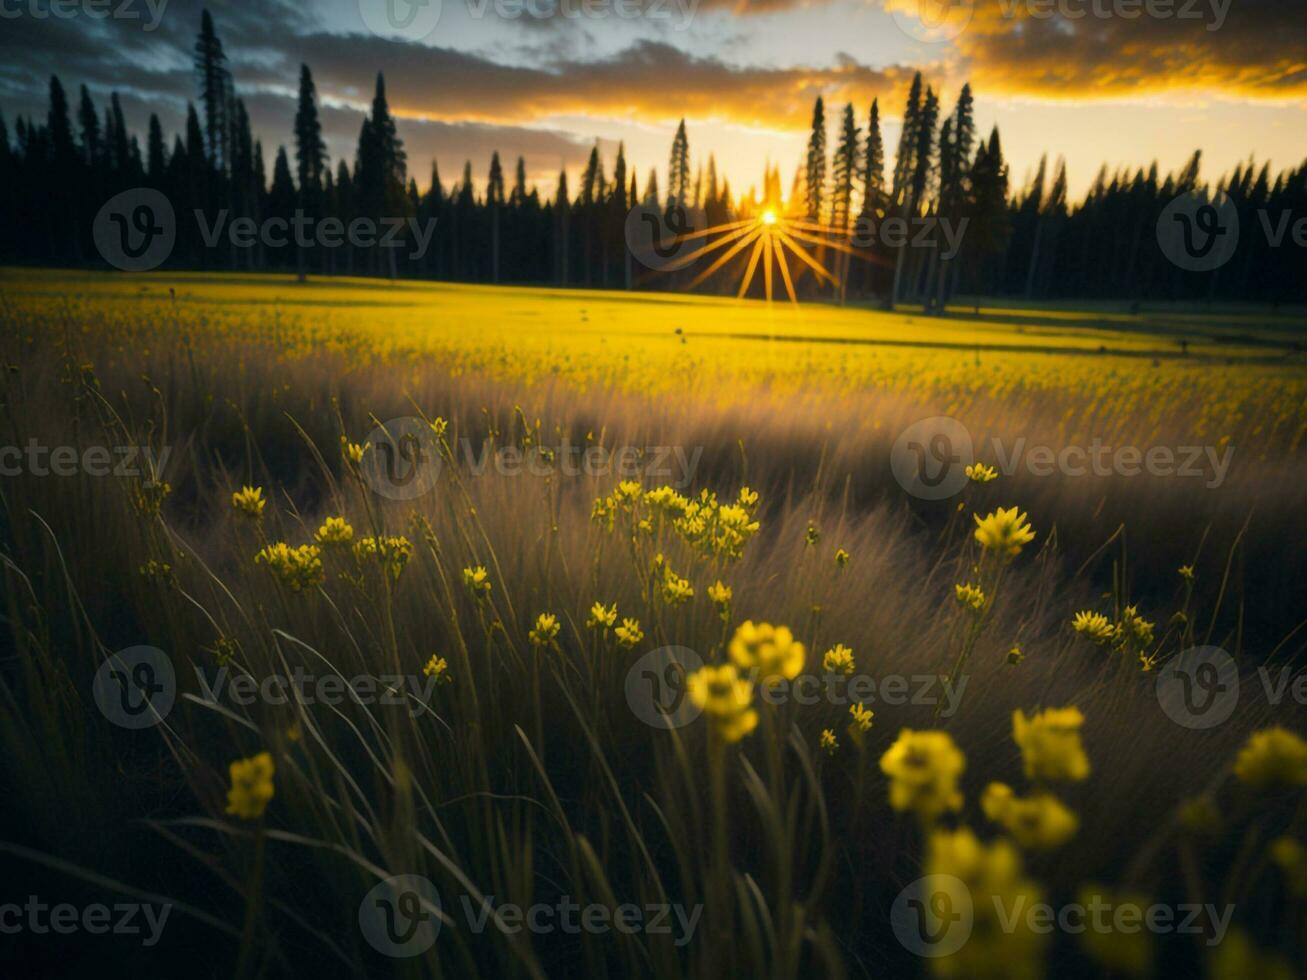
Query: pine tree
x=678, y=170
x=815, y=166
x=156, y=153
x=844, y=172
x=89, y=120
x=215, y=92
x=495, y=204
x=873, y=168
x=310, y=150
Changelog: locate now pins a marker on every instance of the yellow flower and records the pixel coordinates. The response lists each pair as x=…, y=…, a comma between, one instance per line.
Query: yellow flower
x=828, y=742
x=1094, y=626
x=601, y=616
x=251, y=786
x=1050, y=744
x=1004, y=532
x=726, y=698
x=989, y=880
x=439, y=426
x=1015, y=655
x=249, y=502
x=770, y=651
x=1272, y=757
x=924, y=768
x=353, y=451
x=437, y=667
x=334, y=530
x=1186, y=572
x=980, y=473
x=393, y=553
x=1134, y=632
x=862, y=717
x=1039, y=822
x=812, y=535
x=720, y=593
x=545, y=631
x=1118, y=951
x=629, y=633
x=838, y=660
x=970, y=597
x=477, y=580
x=1291, y=858
x=676, y=590
x=297, y=568
x=1199, y=815
x=841, y=557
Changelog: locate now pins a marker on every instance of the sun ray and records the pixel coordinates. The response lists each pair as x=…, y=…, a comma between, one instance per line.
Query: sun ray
x=812, y=263
x=723, y=259
x=753, y=267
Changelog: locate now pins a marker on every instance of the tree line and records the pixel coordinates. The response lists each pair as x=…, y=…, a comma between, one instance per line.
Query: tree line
x=1031, y=242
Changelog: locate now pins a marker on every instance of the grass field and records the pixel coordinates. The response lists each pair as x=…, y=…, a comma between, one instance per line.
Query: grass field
x=525, y=762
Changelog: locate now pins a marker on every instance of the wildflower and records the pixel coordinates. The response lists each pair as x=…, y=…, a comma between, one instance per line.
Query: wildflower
x=1291, y=858
x=1039, y=822
x=838, y=660
x=1015, y=655
x=392, y=552
x=477, y=580
x=1050, y=744
x=747, y=498
x=334, y=530
x=1186, y=572
x=1004, y=532
x=841, y=558
x=971, y=598
x=1134, y=631
x=1118, y=951
x=720, y=594
x=1094, y=627
x=298, y=568
x=862, y=717
x=828, y=742
x=726, y=698
x=988, y=879
x=770, y=651
x=148, y=498
x=251, y=786
x=353, y=451
x=437, y=667
x=601, y=616
x=248, y=502
x=545, y=631
x=156, y=571
x=439, y=426
x=812, y=535
x=294, y=733
x=923, y=768
x=676, y=590
x=1272, y=757
x=980, y=473
x=629, y=633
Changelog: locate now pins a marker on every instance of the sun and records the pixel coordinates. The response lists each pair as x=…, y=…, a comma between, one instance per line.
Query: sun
x=773, y=238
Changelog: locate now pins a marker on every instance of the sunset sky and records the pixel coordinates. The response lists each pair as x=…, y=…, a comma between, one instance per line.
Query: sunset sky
x=1229, y=76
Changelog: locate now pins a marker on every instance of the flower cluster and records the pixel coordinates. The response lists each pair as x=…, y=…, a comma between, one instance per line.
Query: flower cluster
x=770, y=653
x=297, y=568
x=923, y=768
x=726, y=699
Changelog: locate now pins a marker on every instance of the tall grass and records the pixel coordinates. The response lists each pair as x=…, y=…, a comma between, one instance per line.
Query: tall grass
x=528, y=777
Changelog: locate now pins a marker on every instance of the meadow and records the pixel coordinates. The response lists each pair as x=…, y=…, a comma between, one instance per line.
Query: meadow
x=744, y=509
